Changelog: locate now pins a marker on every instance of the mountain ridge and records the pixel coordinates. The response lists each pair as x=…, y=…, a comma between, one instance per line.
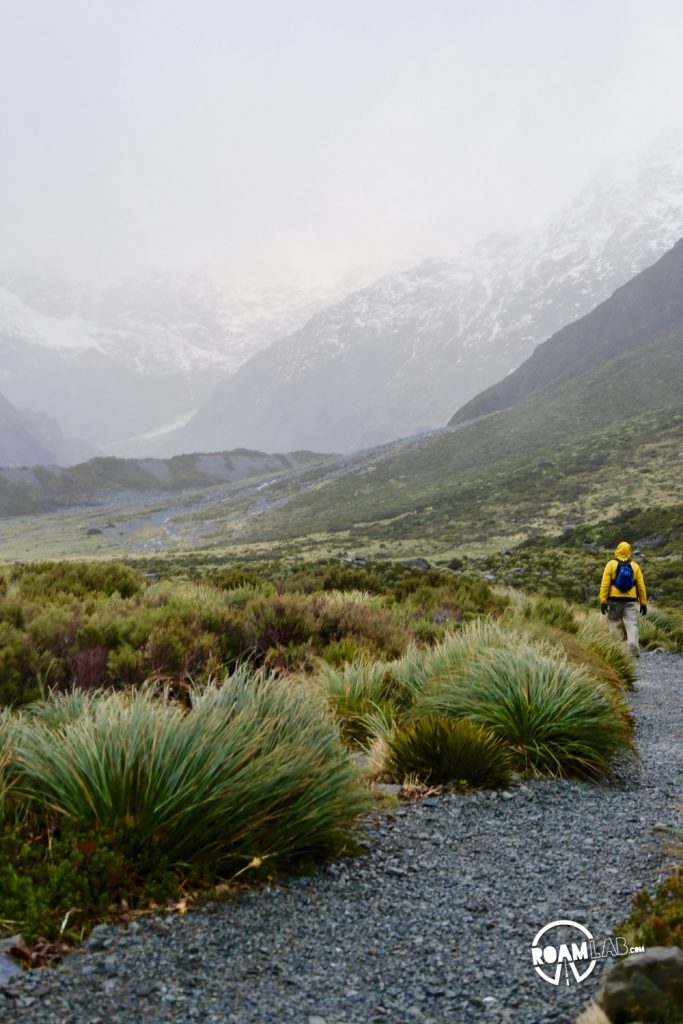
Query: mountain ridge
x=399, y=356
x=149, y=349
x=41, y=488
x=616, y=325
x=30, y=439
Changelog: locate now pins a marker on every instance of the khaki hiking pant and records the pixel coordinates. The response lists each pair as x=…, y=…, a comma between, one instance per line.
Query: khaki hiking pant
x=622, y=618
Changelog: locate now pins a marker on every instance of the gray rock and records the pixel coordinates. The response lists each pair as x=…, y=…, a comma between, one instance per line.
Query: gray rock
x=9, y=941
x=9, y=968
x=417, y=563
x=101, y=937
x=645, y=987
x=389, y=788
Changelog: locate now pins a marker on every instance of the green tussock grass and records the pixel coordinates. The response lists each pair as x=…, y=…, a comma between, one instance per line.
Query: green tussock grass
x=556, y=719
x=444, y=751
x=253, y=768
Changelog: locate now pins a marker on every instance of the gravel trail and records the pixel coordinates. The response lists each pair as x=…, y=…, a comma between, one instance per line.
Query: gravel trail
x=434, y=925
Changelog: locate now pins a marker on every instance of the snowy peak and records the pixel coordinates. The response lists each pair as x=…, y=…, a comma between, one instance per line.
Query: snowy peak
x=132, y=359
x=397, y=357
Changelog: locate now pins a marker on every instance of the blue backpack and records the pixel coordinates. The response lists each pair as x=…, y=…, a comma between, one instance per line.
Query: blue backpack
x=624, y=578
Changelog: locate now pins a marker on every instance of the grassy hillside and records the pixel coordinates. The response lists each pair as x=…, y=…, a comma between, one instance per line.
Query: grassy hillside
x=584, y=449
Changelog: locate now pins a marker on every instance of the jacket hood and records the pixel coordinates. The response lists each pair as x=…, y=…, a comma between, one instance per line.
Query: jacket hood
x=623, y=551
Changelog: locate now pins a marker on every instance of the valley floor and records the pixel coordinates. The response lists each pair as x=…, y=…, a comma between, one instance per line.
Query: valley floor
x=434, y=925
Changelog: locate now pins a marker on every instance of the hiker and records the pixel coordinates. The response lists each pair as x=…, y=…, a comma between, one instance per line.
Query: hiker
x=621, y=589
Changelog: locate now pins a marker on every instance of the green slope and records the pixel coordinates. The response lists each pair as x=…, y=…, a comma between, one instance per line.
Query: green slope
x=572, y=450
x=647, y=307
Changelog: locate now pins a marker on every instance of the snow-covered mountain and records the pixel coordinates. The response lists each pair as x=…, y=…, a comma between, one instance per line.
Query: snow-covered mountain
x=130, y=359
x=400, y=356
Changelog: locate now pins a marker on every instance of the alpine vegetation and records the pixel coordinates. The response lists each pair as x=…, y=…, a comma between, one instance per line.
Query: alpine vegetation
x=254, y=768
x=556, y=719
x=550, y=716
x=449, y=751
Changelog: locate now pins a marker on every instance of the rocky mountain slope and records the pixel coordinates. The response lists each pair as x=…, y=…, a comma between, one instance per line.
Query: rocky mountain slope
x=29, y=439
x=651, y=305
x=397, y=357
x=125, y=360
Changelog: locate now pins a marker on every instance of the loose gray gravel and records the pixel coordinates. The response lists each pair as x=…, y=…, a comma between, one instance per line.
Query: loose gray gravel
x=433, y=925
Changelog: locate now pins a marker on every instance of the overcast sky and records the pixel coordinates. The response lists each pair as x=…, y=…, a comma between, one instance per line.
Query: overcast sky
x=317, y=138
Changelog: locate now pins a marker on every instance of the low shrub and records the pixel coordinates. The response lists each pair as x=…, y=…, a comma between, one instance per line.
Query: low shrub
x=77, y=579
x=446, y=751
x=54, y=883
x=657, y=920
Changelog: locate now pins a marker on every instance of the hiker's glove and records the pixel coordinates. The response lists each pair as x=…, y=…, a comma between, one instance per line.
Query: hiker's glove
x=643, y=609
x=603, y=609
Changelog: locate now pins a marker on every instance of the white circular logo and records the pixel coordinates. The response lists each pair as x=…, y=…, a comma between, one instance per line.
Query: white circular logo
x=563, y=947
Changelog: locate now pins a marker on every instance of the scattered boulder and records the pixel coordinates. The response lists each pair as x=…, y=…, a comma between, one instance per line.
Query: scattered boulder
x=153, y=577
x=455, y=564
x=645, y=987
x=417, y=563
x=92, y=531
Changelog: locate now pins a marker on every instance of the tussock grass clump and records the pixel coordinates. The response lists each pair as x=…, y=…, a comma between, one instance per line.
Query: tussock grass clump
x=361, y=693
x=658, y=629
x=555, y=719
x=552, y=701
x=7, y=733
x=255, y=768
x=570, y=647
x=553, y=611
x=444, y=750
x=596, y=637
x=420, y=669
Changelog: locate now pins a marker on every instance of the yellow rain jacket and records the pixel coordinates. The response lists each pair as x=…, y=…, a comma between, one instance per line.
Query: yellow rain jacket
x=607, y=588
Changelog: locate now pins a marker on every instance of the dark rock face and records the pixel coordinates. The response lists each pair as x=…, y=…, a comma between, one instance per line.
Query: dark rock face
x=645, y=987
